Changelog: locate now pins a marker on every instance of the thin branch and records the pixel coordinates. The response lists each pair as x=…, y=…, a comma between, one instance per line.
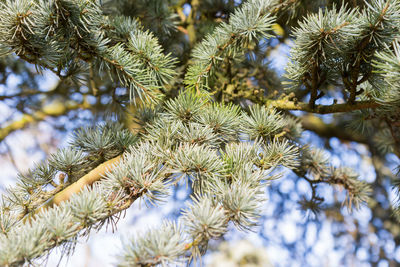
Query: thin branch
x=191, y=22
x=22, y=94
x=11, y=156
x=322, y=109
x=91, y=81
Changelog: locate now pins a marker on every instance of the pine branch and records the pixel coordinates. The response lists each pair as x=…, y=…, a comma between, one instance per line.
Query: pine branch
x=178, y=145
x=228, y=153
x=250, y=22
x=70, y=224
x=61, y=35
x=380, y=14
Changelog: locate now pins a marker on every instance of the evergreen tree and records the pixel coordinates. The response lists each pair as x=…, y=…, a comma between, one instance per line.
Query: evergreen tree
x=183, y=94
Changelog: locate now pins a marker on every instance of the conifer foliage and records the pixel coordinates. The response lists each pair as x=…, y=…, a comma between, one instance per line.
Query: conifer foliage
x=208, y=112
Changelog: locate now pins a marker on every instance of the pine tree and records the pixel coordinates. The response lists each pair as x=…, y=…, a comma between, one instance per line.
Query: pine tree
x=184, y=95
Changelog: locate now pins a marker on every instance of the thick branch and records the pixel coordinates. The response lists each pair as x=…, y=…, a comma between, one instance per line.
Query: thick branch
x=94, y=175
x=315, y=124
x=56, y=110
x=88, y=179
x=321, y=109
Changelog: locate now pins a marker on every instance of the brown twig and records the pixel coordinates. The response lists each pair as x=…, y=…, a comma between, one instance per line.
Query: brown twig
x=321, y=109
